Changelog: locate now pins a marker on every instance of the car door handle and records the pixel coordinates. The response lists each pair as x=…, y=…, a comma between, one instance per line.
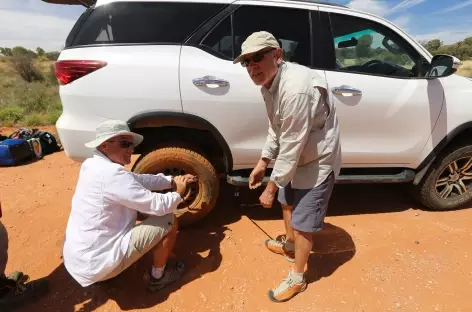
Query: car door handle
x=346, y=91
x=208, y=80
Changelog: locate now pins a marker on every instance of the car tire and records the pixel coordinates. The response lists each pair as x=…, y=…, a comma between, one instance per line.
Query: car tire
x=200, y=197
x=445, y=185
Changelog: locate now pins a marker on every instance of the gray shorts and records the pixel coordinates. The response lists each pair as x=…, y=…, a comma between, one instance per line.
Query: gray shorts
x=309, y=205
x=144, y=236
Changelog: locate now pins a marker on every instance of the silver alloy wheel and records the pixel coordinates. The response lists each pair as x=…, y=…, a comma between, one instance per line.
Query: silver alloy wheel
x=455, y=179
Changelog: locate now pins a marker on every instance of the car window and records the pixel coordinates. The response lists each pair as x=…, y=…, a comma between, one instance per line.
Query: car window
x=142, y=22
x=291, y=27
x=364, y=46
x=220, y=40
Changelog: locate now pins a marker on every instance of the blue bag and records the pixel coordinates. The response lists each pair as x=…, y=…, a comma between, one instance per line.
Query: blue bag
x=14, y=152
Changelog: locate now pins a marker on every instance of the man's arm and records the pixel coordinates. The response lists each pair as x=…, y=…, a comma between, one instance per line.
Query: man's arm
x=154, y=182
x=126, y=190
x=298, y=113
x=271, y=146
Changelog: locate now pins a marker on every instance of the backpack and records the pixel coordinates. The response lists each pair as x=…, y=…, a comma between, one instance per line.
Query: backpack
x=14, y=152
x=36, y=148
x=48, y=142
x=22, y=133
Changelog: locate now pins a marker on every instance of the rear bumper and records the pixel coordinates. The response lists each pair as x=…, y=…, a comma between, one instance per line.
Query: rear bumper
x=74, y=133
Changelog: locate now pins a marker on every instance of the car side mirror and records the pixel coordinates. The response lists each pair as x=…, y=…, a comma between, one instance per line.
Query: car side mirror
x=443, y=65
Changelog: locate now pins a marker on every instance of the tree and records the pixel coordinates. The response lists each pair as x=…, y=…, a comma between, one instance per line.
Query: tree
x=52, y=56
x=23, y=65
x=468, y=41
x=363, y=47
x=6, y=51
x=19, y=51
x=433, y=45
x=39, y=51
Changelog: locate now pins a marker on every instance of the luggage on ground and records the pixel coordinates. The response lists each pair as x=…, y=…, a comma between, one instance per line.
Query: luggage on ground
x=14, y=152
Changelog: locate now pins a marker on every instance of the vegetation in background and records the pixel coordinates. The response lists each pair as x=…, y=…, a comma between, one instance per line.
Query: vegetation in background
x=29, y=89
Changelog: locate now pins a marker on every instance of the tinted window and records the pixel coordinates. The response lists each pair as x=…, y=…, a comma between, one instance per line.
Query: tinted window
x=144, y=22
x=220, y=39
x=290, y=26
x=367, y=47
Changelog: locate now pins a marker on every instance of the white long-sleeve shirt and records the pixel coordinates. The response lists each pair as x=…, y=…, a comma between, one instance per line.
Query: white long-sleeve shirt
x=104, y=211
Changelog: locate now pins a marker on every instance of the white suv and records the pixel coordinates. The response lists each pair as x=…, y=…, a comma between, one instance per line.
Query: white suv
x=166, y=68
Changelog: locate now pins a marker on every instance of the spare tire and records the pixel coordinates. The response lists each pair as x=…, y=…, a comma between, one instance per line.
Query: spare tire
x=200, y=197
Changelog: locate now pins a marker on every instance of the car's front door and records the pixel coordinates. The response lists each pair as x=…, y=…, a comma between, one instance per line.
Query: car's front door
x=386, y=109
x=221, y=92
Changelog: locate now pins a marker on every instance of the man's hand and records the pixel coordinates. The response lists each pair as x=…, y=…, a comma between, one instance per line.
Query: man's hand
x=181, y=183
x=268, y=196
x=258, y=173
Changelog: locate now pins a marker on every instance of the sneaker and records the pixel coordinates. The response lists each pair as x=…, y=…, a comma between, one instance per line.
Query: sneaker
x=170, y=276
x=286, y=290
x=281, y=247
x=19, y=294
x=18, y=277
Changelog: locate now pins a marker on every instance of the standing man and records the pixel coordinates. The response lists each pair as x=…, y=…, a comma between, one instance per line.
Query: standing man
x=102, y=239
x=304, y=141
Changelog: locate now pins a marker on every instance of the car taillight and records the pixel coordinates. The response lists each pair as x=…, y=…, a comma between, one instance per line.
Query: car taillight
x=68, y=71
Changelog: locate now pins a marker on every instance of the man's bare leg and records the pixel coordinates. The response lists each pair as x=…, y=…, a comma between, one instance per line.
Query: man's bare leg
x=162, y=275
x=303, y=245
x=287, y=214
x=295, y=282
x=161, y=252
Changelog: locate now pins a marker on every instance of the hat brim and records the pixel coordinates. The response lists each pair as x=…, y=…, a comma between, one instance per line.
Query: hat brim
x=250, y=50
x=137, y=139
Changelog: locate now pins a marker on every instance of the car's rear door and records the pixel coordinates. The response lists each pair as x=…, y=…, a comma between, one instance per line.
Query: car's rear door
x=222, y=92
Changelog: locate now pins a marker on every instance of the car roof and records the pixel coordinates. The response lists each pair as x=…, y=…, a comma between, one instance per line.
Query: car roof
x=314, y=2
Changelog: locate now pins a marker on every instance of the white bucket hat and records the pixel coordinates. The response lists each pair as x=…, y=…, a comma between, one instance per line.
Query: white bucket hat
x=110, y=129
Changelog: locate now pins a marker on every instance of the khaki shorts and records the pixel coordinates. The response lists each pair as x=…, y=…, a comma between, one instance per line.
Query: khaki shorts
x=144, y=236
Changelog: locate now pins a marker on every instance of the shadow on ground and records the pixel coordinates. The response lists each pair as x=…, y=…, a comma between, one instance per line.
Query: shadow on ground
x=350, y=199
x=199, y=246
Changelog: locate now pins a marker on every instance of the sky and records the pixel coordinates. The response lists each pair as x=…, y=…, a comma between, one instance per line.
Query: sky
x=33, y=23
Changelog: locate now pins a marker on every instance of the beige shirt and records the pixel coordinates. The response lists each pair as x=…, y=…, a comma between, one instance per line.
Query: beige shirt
x=303, y=128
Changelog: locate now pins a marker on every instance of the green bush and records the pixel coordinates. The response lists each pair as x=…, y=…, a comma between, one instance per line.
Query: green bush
x=23, y=66
x=53, y=116
x=34, y=120
x=11, y=114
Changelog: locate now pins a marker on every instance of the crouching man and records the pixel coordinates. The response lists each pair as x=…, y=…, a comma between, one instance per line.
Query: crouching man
x=102, y=238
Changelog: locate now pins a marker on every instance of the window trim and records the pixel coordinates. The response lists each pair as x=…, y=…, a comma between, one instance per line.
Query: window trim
x=199, y=37
x=330, y=50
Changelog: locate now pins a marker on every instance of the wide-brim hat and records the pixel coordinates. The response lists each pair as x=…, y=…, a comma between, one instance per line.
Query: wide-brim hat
x=110, y=129
x=257, y=41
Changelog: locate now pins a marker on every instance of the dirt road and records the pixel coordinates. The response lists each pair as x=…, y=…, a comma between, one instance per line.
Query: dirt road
x=378, y=253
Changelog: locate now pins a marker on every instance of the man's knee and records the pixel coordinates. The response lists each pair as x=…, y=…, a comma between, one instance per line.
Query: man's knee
x=287, y=207
x=175, y=227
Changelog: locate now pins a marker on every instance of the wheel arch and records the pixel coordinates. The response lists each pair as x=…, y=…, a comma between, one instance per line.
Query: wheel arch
x=459, y=134
x=161, y=120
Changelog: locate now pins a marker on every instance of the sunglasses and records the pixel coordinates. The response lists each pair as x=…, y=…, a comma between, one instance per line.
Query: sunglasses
x=256, y=58
x=124, y=144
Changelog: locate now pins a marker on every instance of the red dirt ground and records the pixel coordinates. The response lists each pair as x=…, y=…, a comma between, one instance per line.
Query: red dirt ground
x=379, y=252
